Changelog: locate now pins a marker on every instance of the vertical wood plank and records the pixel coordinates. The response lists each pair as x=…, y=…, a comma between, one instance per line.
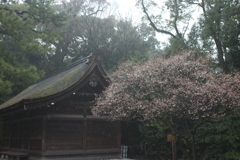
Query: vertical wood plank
x=85, y=135
x=10, y=146
x=119, y=134
x=18, y=136
x=43, y=135
x=30, y=135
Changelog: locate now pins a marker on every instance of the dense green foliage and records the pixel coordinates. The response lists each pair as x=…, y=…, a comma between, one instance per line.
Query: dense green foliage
x=220, y=23
x=154, y=135
x=24, y=42
x=220, y=138
x=113, y=40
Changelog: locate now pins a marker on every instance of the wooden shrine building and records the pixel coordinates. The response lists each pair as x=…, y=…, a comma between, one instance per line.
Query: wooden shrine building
x=52, y=119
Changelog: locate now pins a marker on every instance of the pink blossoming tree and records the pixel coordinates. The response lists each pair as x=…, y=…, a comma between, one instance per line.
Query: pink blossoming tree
x=182, y=91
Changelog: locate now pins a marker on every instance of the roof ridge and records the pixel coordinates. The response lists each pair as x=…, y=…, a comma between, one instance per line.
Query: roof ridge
x=85, y=59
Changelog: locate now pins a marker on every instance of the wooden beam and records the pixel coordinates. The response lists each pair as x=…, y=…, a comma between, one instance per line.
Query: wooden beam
x=79, y=152
x=64, y=116
x=85, y=94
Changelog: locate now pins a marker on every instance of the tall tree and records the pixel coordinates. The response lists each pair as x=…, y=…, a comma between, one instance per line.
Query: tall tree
x=172, y=19
x=24, y=35
x=221, y=24
x=113, y=40
x=72, y=34
x=219, y=27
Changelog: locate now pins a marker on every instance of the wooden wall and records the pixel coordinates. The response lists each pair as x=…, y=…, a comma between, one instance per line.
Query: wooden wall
x=102, y=134
x=6, y=141
x=82, y=134
x=22, y=135
x=62, y=135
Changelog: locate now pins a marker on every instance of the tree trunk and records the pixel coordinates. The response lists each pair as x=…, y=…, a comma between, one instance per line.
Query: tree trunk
x=221, y=59
x=193, y=147
x=220, y=54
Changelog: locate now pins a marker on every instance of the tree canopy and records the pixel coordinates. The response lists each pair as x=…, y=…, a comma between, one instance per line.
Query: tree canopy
x=178, y=85
x=24, y=35
x=87, y=31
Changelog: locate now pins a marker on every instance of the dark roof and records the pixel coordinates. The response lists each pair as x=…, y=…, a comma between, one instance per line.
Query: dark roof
x=56, y=83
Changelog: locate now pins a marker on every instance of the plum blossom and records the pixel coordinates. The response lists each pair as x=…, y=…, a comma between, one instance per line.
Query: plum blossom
x=181, y=85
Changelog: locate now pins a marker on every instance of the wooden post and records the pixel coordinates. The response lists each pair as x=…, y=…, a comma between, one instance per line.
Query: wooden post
x=173, y=150
x=171, y=138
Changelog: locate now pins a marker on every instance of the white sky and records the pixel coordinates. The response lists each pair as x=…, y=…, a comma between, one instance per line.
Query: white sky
x=127, y=4
x=128, y=9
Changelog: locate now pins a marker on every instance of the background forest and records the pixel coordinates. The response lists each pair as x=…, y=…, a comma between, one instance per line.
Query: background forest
x=38, y=37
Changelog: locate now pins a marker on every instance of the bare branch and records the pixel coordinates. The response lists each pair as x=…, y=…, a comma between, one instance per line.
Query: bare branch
x=176, y=19
x=154, y=26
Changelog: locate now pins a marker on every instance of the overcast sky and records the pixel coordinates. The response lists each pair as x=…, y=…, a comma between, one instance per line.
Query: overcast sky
x=127, y=9
x=123, y=4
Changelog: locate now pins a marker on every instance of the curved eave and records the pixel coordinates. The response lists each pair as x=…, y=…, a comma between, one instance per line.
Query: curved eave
x=41, y=100
x=32, y=103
